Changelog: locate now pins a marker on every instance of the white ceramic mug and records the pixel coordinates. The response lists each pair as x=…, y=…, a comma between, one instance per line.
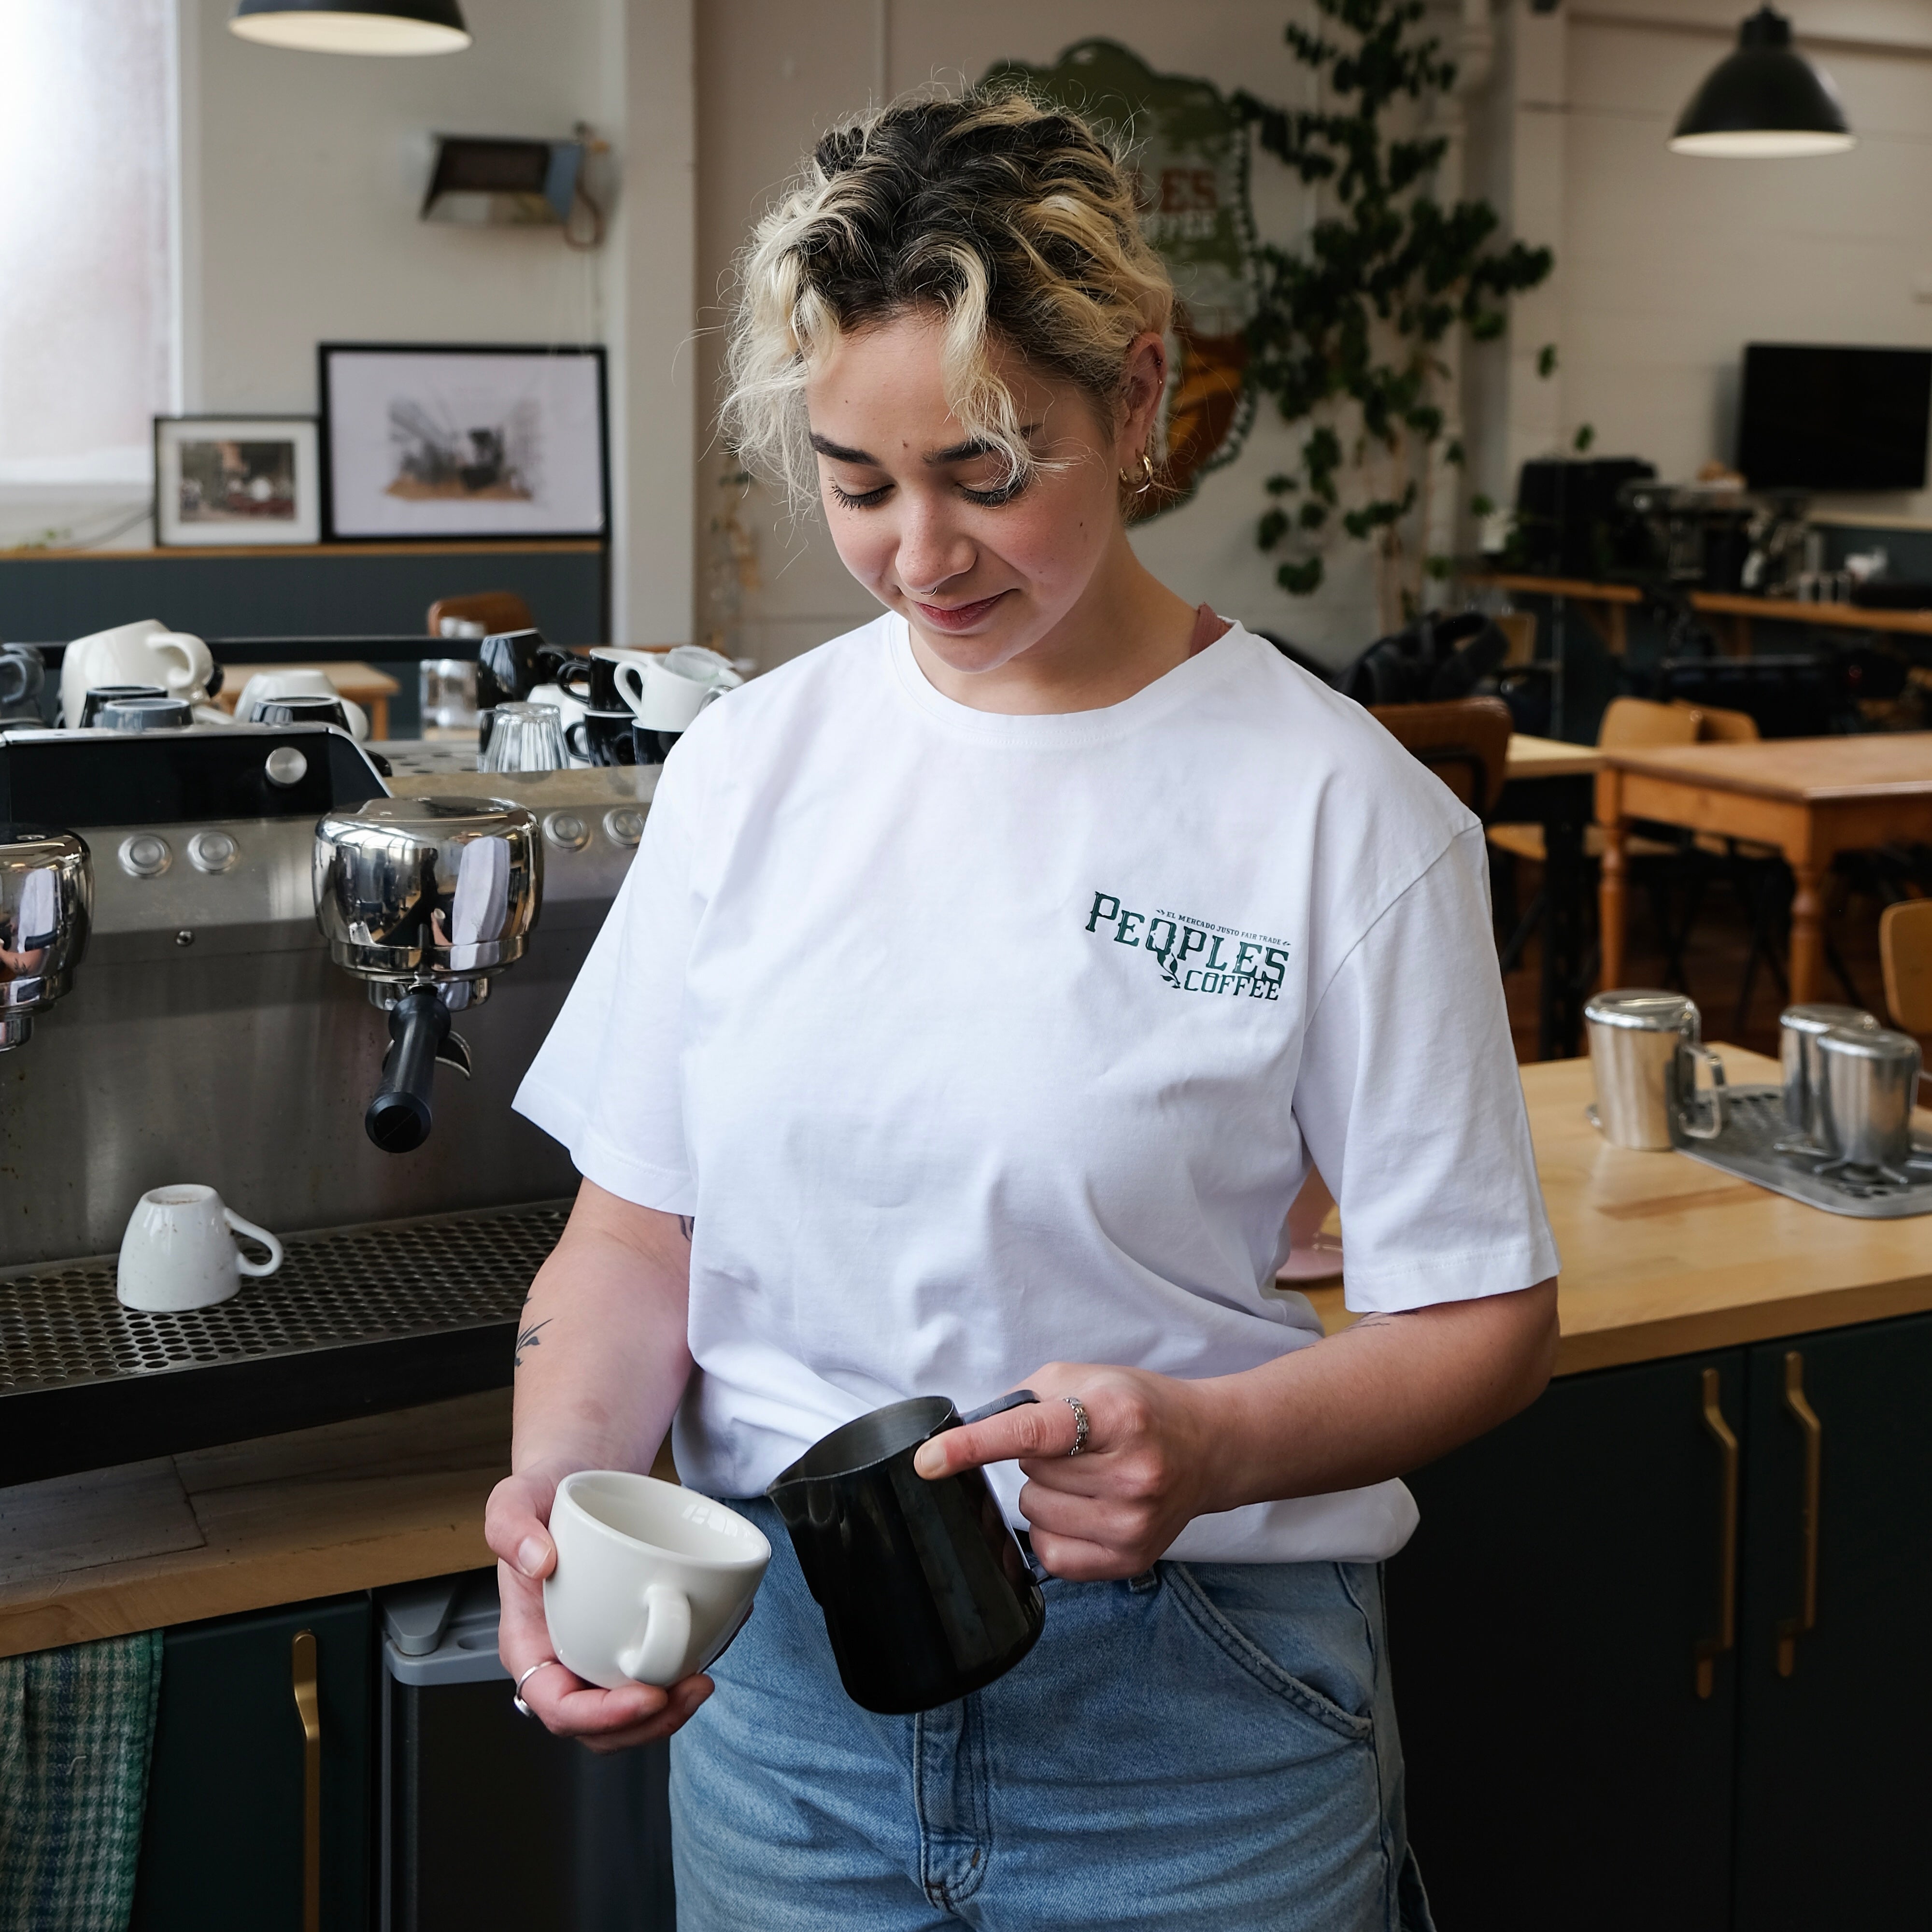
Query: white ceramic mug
x=651, y=1581
x=146, y=651
x=297, y=682
x=178, y=1251
x=665, y=690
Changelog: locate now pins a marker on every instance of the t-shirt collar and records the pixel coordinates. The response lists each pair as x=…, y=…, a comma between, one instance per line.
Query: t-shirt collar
x=1061, y=729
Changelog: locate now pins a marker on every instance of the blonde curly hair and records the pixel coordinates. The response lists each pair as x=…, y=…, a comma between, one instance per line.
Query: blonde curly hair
x=1013, y=222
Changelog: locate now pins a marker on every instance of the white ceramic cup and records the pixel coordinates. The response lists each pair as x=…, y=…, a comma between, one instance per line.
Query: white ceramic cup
x=178, y=1251
x=297, y=682
x=146, y=651
x=651, y=1581
x=665, y=690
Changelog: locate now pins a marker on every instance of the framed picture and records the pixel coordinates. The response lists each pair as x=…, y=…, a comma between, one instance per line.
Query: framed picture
x=456, y=440
x=236, y=480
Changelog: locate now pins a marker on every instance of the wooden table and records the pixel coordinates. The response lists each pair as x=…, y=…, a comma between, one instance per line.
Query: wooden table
x=361, y=683
x=1605, y=607
x=1660, y=1257
x=1548, y=783
x=1812, y=798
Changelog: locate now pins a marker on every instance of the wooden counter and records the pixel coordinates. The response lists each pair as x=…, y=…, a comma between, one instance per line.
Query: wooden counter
x=1662, y=1256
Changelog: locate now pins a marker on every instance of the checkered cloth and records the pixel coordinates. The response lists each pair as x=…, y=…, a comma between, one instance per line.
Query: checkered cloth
x=76, y=1727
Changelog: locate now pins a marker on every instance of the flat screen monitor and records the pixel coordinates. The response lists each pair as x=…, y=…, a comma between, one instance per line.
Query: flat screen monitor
x=1814, y=417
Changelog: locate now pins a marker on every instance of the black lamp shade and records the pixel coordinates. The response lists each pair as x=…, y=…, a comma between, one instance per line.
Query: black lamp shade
x=1765, y=99
x=353, y=26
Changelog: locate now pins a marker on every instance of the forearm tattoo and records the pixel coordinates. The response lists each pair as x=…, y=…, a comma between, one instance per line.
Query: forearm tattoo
x=528, y=1339
x=686, y=1222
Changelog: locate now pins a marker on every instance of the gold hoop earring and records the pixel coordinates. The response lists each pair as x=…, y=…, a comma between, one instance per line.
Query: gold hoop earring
x=1146, y=484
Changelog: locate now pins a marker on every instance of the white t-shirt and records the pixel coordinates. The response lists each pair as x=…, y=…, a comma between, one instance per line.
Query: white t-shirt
x=975, y=1042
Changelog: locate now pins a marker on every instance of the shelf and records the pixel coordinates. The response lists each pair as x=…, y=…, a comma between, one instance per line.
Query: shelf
x=519, y=546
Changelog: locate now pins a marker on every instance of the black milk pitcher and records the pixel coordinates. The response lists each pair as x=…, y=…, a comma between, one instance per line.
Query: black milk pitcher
x=925, y=1594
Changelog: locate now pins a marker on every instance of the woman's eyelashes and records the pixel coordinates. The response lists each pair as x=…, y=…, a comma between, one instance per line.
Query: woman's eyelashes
x=863, y=499
x=866, y=499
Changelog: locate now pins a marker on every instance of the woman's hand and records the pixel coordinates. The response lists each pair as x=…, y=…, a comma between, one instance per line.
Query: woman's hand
x=516, y=1525
x=1112, y=1510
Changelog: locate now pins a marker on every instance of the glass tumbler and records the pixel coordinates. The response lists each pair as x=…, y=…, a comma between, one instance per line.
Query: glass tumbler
x=525, y=738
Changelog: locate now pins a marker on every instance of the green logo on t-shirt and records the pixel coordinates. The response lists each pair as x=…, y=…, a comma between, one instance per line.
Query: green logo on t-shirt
x=1195, y=955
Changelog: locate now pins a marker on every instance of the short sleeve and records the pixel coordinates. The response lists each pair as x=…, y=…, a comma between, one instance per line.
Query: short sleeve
x=1410, y=1103
x=607, y=1081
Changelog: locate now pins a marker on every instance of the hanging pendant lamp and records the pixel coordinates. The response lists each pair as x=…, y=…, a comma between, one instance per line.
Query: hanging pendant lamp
x=354, y=26
x=1765, y=100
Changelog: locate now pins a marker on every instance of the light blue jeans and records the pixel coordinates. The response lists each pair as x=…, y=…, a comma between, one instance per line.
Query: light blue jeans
x=1210, y=1745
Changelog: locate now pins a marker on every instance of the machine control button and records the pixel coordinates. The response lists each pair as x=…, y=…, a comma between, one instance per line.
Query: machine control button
x=566, y=829
x=624, y=824
x=147, y=855
x=285, y=766
x=212, y=852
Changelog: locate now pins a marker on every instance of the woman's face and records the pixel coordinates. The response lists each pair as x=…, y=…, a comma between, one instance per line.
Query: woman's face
x=924, y=517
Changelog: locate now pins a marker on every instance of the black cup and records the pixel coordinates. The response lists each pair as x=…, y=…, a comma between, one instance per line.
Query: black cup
x=925, y=1595
x=650, y=746
x=98, y=694
x=511, y=664
x=157, y=713
x=604, y=737
x=592, y=682
x=297, y=710
x=22, y=671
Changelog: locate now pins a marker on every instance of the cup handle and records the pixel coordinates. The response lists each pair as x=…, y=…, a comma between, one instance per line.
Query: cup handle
x=254, y=1234
x=658, y=1656
x=629, y=679
x=1692, y=1054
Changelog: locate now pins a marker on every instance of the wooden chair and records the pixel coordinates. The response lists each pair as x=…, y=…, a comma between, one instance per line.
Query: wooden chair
x=1905, y=954
x=1627, y=722
x=1464, y=742
x=496, y=610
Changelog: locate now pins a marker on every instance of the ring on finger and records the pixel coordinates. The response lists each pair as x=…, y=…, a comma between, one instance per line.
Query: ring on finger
x=516, y=1695
x=1080, y=1425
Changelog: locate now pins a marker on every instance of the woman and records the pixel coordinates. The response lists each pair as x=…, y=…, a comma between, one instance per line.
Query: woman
x=986, y=983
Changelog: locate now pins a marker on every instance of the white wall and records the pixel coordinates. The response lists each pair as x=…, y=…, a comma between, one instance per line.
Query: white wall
x=302, y=177
x=1669, y=264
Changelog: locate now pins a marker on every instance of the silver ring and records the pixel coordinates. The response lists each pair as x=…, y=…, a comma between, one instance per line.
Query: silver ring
x=516, y=1695
x=1079, y=1409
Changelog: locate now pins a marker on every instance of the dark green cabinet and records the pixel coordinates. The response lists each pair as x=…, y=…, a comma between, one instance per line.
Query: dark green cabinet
x=1544, y=1625
x=222, y=1849
x=1584, y=1749
x=1832, y=1786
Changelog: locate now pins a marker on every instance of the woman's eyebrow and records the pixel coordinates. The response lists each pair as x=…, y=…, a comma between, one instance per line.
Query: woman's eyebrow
x=965, y=452
x=839, y=453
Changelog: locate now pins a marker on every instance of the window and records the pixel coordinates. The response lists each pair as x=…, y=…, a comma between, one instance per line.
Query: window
x=86, y=251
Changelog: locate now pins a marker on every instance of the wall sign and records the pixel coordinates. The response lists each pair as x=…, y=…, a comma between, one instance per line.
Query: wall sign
x=1190, y=160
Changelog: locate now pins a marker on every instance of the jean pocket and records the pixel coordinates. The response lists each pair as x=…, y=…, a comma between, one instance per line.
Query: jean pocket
x=1241, y=1649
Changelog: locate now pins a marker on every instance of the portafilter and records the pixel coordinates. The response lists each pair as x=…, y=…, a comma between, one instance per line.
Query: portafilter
x=46, y=902
x=424, y=898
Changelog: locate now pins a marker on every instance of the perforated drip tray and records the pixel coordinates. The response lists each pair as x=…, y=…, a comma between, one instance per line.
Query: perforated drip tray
x=356, y=1320
x=1754, y=1124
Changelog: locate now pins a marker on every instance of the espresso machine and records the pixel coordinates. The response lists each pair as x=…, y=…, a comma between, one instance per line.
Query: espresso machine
x=225, y=1023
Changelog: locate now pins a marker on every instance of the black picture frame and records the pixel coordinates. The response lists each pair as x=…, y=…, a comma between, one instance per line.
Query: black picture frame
x=329, y=359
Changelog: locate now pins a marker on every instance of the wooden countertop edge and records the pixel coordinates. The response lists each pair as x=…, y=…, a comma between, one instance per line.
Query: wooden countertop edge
x=186, y=1586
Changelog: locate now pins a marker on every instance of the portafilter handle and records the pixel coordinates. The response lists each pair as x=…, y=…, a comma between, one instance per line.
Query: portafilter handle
x=399, y=1118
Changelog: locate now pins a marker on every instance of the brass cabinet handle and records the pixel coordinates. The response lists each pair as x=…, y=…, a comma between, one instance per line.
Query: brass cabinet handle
x=1790, y=1629
x=308, y=1708
x=1710, y=1648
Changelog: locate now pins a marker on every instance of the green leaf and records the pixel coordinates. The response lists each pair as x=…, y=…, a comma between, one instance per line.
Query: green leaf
x=1582, y=439
x=1480, y=505
x=1300, y=579
x=1272, y=528
x=1546, y=360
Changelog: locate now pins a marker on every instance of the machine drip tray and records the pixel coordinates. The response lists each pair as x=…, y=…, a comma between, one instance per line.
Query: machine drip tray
x=356, y=1320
